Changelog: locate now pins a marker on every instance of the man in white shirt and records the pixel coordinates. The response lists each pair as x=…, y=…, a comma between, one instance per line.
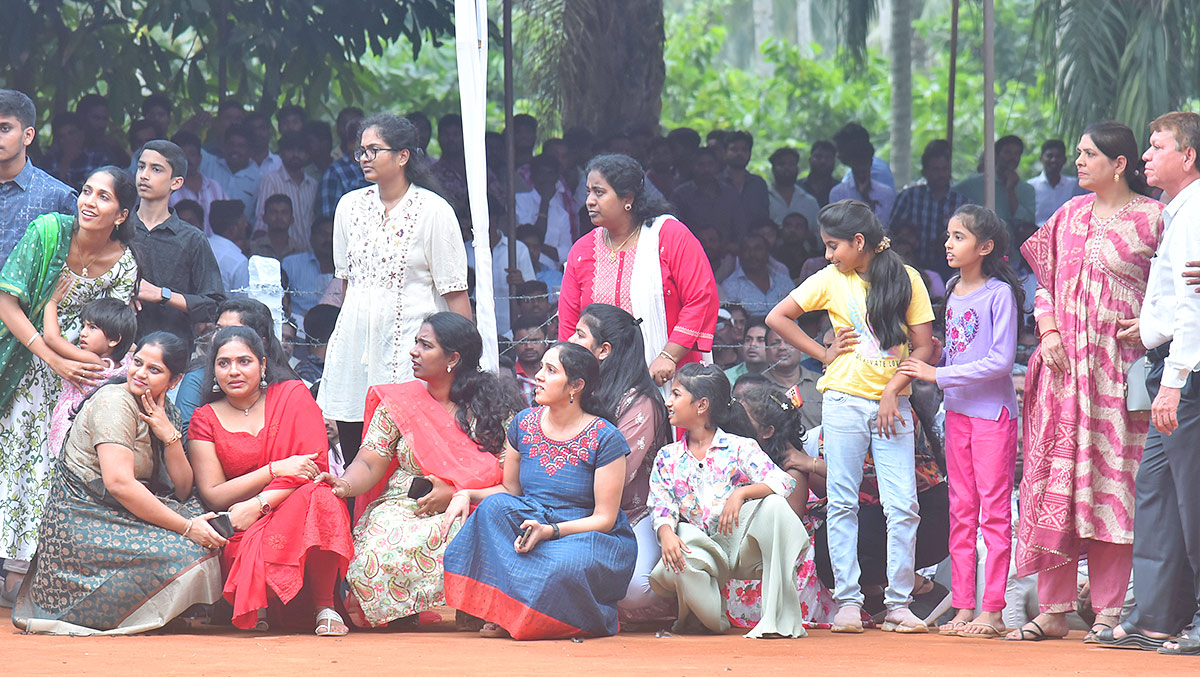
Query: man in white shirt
x=229, y=227
x=785, y=195
x=503, y=279
x=543, y=207
x=1166, y=543
x=1050, y=188
x=290, y=180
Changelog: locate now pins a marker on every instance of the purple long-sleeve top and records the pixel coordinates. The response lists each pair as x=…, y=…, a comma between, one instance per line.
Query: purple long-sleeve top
x=981, y=344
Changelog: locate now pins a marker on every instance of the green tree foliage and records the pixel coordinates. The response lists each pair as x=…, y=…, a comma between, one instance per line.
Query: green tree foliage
x=809, y=98
x=262, y=51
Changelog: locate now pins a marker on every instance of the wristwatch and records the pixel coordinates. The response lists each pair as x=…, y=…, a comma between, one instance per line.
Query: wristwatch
x=264, y=506
x=166, y=294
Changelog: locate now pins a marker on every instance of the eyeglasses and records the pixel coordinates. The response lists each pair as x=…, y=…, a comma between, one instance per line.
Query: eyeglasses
x=370, y=153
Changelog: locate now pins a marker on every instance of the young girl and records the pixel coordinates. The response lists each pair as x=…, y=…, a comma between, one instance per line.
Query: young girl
x=720, y=510
x=109, y=326
x=982, y=305
x=868, y=291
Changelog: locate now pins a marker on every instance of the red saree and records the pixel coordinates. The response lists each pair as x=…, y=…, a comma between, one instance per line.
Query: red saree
x=270, y=555
x=438, y=445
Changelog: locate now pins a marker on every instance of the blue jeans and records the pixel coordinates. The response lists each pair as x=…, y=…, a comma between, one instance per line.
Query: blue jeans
x=849, y=424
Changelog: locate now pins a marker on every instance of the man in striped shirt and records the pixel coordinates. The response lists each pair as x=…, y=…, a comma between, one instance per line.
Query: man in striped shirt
x=290, y=180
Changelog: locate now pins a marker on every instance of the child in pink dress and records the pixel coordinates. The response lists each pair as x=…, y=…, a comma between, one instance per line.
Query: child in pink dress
x=109, y=326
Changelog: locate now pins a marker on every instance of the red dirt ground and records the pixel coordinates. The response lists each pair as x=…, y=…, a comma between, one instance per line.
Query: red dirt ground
x=438, y=650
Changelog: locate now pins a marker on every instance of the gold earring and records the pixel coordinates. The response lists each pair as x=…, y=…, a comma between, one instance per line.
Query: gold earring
x=572, y=398
x=449, y=368
x=1117, y=177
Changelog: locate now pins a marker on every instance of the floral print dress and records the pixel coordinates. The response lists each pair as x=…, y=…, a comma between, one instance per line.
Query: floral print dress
x=26, y=459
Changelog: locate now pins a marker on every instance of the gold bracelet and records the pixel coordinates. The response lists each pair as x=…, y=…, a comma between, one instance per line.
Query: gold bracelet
x=33, y=338
x=271, y=469
x=669, y=356
x=174, y=438
x=189, y=527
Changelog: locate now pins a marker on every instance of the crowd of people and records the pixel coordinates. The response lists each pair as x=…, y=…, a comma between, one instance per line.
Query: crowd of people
x=242, y=382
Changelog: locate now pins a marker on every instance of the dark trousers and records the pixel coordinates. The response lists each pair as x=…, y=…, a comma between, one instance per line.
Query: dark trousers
x=933, y=538
x=1166, y=519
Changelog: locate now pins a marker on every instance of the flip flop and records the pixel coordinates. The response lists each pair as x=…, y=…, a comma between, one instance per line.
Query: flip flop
x=1133, y=639
x=1037, y=635
x=1188, y=646
x=953, y=629
x=992, y=631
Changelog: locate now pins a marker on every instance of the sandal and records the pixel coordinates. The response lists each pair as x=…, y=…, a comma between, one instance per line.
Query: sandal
x=903, y=621
x=1090, y=637
x=952, y=628
x=1134, y=639
x=987, y=631
x=493, y=631
x=1035, y=635
x=1184, y=646
x=330, y=624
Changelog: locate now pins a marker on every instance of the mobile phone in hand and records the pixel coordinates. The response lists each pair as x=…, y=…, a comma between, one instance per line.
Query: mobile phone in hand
x=221, y=524
x=419, y=487
x=528, y=533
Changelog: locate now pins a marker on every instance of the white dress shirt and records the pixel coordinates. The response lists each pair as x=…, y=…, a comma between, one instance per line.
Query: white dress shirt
x=558, y=221
x=1050, y=198
x=1171, y=309
x=235, y=271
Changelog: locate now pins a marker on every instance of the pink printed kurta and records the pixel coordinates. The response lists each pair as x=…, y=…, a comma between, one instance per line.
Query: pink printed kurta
x=1082, y=447
x=592, y=275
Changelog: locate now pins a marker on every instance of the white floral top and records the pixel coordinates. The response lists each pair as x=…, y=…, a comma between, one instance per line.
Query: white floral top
x=397, y=268
x=683, y=487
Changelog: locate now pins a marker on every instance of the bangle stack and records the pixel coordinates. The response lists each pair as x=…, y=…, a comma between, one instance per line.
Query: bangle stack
x=669, y=356
x=1046, y=333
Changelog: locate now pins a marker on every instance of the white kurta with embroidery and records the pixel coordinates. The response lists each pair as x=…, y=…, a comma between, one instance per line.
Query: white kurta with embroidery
x=397, y=268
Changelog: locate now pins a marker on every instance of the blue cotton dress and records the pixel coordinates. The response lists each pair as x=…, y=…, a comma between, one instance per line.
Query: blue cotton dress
x=562, y=588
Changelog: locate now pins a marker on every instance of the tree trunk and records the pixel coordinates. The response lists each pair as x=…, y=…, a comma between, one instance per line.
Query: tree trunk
x=900, y=51
x=804, y=29
x=613, y=64
x=764, y=20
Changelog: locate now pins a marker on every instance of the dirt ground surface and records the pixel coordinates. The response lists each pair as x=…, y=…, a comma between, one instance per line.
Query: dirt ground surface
x=439, y=650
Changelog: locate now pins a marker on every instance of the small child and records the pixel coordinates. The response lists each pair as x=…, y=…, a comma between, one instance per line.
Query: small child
x=982, y=319
x=109, y=326
x=720, y=511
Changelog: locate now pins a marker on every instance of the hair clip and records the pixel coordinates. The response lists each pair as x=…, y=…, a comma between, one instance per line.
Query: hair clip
x=794, y=396
x=885, y=243
x=637, y=321
x=1006, y=259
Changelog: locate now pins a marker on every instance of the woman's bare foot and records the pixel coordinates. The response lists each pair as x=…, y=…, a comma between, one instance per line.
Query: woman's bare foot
x=1044, y=626
x=1102, y=622
x=1119, y=631
x=956, y=624
x=987, y=623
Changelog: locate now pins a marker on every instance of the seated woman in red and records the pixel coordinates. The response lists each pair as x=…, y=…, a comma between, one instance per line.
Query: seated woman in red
x=255, y=448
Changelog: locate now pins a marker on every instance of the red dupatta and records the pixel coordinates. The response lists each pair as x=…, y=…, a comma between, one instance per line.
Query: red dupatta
x=271, y=553
x=440, y=448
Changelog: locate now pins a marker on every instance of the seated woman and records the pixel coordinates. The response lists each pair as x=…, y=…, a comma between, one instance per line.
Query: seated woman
x=628, y=391
x=235, y=312
x=548, y=553
x=720, y=510
x=257, y=446
x=446, y=427
x=780, y=432
x=122, y=548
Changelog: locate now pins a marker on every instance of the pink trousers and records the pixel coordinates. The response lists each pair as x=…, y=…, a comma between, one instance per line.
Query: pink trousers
x=1109, y=565
x=981, y=458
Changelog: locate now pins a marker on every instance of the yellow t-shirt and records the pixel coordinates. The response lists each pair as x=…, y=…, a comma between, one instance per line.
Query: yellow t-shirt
x=866, y=371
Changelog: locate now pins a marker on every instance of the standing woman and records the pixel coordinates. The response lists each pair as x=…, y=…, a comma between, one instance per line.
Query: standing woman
x=637, y=407
x=638, y=246
x=91, y=250
x=397, y=246
x=1082, y=447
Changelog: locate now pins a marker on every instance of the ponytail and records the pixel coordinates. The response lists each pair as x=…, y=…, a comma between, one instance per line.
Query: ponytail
x=890, y=289
x=985, y=225
x=709, y=382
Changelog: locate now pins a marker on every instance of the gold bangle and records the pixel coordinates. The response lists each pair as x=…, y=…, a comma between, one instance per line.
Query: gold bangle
x=174, y=438
x=36, y=336
x=189, y=527
x=669, y=356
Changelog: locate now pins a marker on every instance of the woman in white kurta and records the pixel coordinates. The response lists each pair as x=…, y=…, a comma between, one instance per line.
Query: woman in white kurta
x=398, y=247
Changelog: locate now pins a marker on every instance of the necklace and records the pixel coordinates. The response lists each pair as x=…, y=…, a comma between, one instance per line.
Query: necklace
x=246, y=411
x=89, y=263
x=612, y=252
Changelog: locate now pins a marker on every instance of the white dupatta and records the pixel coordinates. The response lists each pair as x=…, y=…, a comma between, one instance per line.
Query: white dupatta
x=646, y=290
